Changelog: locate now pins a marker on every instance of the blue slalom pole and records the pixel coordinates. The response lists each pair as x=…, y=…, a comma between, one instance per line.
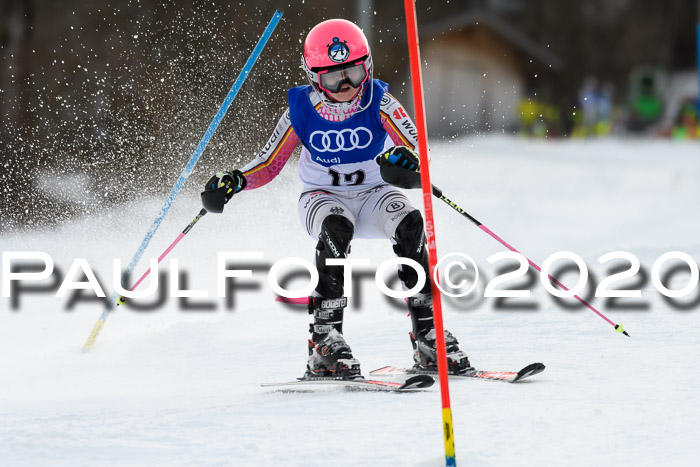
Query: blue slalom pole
x=188, y=170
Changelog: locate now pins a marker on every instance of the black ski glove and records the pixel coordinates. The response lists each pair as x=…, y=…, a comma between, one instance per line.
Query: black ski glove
x=220, y=188
x=404, y=157
x=399, y=166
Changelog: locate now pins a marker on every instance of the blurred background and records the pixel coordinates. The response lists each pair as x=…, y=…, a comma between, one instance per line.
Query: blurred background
x=103, y=102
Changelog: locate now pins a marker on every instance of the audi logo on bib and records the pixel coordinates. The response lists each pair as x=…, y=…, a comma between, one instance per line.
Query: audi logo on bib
x=343, y=140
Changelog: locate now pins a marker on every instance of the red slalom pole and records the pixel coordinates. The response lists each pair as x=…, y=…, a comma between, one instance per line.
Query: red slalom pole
x=417, y=85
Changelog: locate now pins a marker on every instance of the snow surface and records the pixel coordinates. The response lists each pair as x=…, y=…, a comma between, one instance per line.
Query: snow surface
x=175, y=387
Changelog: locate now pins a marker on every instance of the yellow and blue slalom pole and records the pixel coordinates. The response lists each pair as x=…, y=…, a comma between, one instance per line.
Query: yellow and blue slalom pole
x=188, y=170
x=417, y=84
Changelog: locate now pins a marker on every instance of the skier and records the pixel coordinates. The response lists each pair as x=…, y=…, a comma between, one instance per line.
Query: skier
x=344, y=119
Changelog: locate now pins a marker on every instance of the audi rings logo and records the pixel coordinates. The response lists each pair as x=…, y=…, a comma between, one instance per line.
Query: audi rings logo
x=343, y=140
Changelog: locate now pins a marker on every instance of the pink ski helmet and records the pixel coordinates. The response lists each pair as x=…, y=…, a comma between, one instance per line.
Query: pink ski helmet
x=336, y=52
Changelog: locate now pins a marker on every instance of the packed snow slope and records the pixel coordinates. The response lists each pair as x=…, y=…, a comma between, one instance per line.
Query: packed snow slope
x=180, y=385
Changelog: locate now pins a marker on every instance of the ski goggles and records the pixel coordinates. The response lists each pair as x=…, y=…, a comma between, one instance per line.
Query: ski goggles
x=332, y=80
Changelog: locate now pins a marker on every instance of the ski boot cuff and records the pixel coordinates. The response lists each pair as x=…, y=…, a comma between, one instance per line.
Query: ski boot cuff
x=328, y=315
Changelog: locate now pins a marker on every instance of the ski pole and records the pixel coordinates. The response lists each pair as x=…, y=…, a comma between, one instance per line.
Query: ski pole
x=97, y=328
x=440, y=346
x=438, y=193
x=201, y=214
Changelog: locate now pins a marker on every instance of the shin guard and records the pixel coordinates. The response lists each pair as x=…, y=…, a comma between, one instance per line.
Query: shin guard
x=334, y=242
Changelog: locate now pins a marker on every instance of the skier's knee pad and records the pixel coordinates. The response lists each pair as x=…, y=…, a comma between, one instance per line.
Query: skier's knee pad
x=334, y=242
x=336, y=234
x=410, y=243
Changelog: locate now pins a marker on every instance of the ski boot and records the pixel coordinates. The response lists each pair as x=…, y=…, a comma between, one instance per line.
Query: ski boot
x=423, y=340
x=329, y=354
x=332, y=357
x=425, y=354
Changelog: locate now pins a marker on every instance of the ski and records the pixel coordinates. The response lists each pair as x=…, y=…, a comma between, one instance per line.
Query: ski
x=412, y=383
x=505, y=376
